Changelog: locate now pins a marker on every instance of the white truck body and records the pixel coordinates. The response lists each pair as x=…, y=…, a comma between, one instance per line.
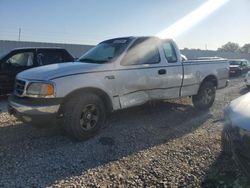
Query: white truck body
x=134, y=84
x=125, y=85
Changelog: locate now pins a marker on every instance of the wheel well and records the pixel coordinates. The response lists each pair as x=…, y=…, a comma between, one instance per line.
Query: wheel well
x=103, y=95
x=211, y=78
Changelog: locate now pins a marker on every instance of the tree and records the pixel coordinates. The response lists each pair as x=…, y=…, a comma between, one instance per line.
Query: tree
x=230, y=47
x=245, y=48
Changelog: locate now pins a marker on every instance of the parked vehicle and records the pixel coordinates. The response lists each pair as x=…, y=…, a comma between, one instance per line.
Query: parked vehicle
x=247, y=80
x=116, y=74
x=239, y=66
x=236, y=133
x=21, y=59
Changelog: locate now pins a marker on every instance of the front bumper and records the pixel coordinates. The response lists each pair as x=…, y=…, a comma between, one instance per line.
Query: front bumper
x=33, y=111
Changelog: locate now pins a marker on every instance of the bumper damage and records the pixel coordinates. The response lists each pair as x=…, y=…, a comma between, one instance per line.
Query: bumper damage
x=33, y=111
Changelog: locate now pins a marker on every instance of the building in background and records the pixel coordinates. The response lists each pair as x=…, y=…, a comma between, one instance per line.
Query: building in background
x=75, y=49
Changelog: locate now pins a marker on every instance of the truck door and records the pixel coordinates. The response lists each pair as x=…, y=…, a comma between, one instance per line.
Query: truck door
x=11, y=65
x=141, y=71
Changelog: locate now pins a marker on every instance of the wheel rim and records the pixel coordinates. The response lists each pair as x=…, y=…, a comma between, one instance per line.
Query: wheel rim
x=208, y=96
x=89, y=117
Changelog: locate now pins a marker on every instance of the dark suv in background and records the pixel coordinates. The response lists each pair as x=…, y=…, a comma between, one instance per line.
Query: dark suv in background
x=239, y=66
x=21, y=59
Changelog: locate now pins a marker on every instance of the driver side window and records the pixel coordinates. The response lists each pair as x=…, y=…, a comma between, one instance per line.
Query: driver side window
x=24, y=59
x=143, y=51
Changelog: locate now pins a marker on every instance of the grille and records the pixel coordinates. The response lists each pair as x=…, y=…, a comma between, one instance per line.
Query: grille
x=19, y=87
x=234, y=68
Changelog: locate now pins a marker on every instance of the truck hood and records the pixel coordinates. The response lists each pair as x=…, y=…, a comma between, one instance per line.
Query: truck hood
x=50, y=72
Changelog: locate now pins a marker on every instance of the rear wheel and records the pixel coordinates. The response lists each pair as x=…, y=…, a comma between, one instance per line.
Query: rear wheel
x=205, y=97
x=84, y=115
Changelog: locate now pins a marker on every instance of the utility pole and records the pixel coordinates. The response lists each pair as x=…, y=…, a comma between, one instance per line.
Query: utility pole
x=205, y=46
x=19, y=34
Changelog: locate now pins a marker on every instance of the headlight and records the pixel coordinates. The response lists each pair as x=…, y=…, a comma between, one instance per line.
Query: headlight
x=37, y=89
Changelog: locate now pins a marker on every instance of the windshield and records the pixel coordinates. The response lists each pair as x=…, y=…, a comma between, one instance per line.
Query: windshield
x=3, y=55
x=105, y=51
x=235, y=62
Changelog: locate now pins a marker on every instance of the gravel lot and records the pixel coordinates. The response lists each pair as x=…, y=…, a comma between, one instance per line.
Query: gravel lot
x=156, y=145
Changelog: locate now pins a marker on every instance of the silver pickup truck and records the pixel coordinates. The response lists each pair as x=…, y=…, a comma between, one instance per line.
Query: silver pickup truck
x=116, y=74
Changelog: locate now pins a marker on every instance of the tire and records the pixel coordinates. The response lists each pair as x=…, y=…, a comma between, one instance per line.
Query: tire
x=84, y=115
x=205, y=97
x=248, y=86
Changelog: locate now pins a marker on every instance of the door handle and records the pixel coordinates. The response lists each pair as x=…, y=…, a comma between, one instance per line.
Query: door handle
x=162, y=71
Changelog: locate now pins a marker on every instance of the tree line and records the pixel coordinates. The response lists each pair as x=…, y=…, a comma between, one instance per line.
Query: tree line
x=234, y=47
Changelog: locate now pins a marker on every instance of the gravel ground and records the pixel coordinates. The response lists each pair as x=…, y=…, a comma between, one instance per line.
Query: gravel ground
x=156, y=145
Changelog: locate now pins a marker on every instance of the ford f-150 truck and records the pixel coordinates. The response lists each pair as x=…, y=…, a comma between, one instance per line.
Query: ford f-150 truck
x=116, y=74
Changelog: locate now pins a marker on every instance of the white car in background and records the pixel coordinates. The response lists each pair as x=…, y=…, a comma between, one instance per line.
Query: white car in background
x=247, y=80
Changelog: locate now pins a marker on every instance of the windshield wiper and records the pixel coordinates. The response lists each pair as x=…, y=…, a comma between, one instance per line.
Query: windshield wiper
x=92, y=60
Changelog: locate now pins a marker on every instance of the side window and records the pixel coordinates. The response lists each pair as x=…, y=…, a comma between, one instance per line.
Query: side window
x=24, y=59
x=244, y=63
x=169, y=52
x=49, y=57
x=248, y=63
x=143, y=51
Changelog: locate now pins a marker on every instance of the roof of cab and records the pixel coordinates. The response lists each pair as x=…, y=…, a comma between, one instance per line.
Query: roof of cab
x=136, y=37
x=43, y=48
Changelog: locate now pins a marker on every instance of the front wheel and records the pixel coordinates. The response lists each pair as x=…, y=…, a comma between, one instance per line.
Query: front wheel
x=205, y=97
x=84, y=115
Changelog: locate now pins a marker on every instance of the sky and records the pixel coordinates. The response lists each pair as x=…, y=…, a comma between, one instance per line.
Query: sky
x=91, y=21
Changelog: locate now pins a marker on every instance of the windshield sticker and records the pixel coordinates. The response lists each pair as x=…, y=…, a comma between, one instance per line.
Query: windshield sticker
x=121, y=41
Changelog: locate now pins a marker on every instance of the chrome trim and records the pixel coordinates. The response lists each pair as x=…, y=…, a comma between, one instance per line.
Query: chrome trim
x=34, y=110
